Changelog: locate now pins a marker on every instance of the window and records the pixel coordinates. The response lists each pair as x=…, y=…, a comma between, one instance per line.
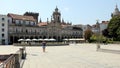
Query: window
x=24, y=22
x=13, y=21
x=3, y=19
x=3, y=35
x=3, y=41
x=16, y=30
x=3, y=24
x=19, y=22
x=29, y=23
x=8, y=21
x=33, y=23
x=26, y=31
x=22, y=30
x=16, y=22
x=35, y=31
x=3, y=30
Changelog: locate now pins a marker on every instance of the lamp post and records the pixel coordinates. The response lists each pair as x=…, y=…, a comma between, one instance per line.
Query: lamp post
x=98, y=30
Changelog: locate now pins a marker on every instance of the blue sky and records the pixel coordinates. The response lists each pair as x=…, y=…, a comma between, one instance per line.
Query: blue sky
x=75, y=11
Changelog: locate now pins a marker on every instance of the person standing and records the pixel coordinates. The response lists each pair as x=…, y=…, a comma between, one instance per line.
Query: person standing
x=43, y=45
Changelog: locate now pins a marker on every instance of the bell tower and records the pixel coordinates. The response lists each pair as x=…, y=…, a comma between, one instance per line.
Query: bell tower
x=57, y=16
x=116, y=12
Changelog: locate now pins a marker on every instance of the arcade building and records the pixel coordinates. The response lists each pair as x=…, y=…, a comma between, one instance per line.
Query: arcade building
x=27, y=27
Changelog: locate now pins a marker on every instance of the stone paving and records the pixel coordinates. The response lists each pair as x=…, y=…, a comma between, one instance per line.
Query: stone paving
x=8, y=49
x=72, y=56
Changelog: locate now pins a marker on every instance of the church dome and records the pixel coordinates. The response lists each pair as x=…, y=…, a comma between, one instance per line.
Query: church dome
x=116, y=12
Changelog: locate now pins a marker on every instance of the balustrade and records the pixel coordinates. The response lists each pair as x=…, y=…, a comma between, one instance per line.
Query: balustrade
x=13, y=60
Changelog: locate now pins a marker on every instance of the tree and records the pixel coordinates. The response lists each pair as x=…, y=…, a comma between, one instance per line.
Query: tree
x=114, y=28
x=105, y=33
x=88, y=34
x=94, y=38
x=118, y=33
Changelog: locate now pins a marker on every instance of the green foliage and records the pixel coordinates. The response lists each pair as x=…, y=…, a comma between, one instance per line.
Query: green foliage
x=93, y=38
x=110, y=40
x=105, y=33
x=114, y=28
x=97, y=38
x=118, y=33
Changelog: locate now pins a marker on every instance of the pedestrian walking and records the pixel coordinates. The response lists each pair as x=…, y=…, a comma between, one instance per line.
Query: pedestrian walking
x=44, y=46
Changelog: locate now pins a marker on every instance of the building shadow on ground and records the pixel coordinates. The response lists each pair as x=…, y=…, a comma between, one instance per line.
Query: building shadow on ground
x=109, y=51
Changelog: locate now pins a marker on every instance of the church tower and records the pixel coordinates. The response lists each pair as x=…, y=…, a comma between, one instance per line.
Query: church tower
x=56, y=16
x=116, y=12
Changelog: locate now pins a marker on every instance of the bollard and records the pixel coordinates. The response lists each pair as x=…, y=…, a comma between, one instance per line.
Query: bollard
x=22, y=53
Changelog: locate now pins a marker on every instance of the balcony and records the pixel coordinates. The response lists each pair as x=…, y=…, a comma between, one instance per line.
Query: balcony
x=24, y=33
x=13, y=24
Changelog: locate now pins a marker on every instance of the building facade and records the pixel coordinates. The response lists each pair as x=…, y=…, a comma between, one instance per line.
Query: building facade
x=4, y=29
x=27, y=27
x=59, y=29
x=99, y=26
x=22, y=26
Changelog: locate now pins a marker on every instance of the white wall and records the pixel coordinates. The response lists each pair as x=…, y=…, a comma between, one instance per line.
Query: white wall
x=103, y=26
x=4, y=20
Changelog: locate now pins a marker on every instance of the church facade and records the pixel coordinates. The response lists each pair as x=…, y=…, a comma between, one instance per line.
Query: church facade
x=59, y=29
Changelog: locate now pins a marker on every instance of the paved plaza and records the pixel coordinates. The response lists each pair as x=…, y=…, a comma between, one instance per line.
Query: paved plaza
x=72, y=56
x=8, y=49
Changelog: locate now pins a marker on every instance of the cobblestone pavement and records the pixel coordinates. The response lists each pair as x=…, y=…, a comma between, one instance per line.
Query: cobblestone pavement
x=72, y=56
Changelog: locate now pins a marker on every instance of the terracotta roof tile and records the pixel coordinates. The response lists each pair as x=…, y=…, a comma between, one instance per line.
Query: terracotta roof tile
x=43, y=24
x=21, y=17
x=105, y=22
